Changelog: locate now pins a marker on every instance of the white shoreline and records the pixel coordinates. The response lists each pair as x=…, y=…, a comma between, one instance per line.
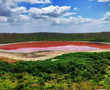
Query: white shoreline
x=48, y=56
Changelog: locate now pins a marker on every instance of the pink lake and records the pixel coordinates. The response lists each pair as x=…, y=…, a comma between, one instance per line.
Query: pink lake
x=63, y=48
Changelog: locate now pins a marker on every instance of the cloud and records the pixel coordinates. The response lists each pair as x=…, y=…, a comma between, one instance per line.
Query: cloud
x=34, y=1
x=10, y=12
x=57, y=15
x=75, y=9
x=106, y=17
x=53, y=14
x=13, y=14
x=50, y=11
x=69, y=14
x=71, y=20
x=19, y=10
x=3, y=19
x=5, y=7
x=103, y=0
x=52, y=18
x=100, y=0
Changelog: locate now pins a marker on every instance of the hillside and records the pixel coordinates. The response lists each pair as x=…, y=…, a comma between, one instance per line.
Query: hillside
x=65, y=72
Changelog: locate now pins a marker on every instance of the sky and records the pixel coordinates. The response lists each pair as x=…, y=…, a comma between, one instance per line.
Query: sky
x=63, y=16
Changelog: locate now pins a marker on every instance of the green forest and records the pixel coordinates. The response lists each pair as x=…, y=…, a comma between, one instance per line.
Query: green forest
x=73, y=71
x=21, y=37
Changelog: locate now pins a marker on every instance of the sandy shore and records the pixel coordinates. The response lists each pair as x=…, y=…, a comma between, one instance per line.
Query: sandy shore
x=33, y=56
x=39, y=55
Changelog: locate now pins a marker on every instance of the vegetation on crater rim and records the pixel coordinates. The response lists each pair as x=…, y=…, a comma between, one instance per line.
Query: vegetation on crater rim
x=81, y=71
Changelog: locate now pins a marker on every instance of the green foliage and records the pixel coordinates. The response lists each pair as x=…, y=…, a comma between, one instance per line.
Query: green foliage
x=93, y=37
x=59, y=72
x=106, y=81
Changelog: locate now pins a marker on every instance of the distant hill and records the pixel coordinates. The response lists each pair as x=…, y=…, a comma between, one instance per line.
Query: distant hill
x=19, y=37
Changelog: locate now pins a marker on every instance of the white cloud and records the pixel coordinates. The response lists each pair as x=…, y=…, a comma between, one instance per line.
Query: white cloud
x=84, y=20
x=3, y=19
x=5, y=7
x=70, y=20
x=69, y=14
x=34, y=1
x=50, y=11
x=103, y=0
x=50, y=19
x=19, y=10
x=106, y=17
x=22, y=19
x=75, y=9
x=10, y=12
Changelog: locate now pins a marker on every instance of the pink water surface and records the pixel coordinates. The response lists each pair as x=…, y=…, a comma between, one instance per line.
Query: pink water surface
x=64, y=48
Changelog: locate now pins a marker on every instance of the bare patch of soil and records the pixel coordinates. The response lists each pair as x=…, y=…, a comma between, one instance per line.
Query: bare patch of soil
x=7, y=60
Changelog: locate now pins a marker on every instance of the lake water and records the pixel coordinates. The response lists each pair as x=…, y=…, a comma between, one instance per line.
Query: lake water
x=64, y=48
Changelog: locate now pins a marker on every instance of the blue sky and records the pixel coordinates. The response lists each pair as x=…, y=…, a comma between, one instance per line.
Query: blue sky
x=68, y=16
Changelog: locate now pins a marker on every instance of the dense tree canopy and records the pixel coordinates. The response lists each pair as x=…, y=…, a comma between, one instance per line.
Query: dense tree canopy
x=65, y=71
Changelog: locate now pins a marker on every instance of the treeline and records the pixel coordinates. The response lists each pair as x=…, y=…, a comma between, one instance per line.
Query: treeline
x=20, y=37
x=74, y=71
